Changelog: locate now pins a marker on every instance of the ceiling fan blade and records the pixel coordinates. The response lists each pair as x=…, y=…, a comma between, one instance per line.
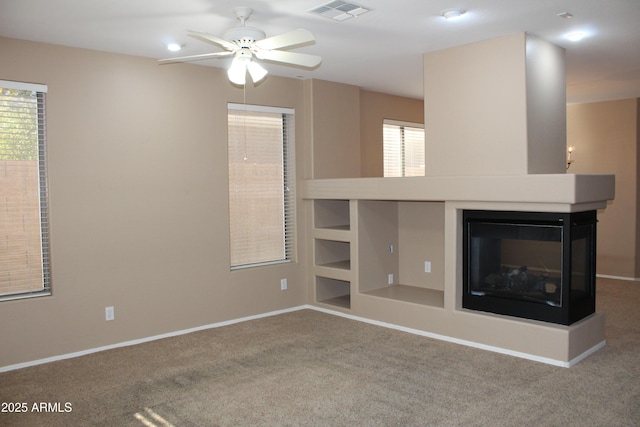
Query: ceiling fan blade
x=189, y=58
x=288, y=39
x=208, y=38
x=293, y=58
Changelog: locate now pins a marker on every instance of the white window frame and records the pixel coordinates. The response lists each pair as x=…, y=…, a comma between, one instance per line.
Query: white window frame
x=395, y=159
x=286, y=197
x=43, y=281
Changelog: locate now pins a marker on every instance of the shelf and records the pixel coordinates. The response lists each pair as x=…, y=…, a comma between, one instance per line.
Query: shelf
x=343, y=301
x=331, y=214
x=334, y=273
x=328, y=252
x=413, y=294
x=333, y=292
x=345, y=227
x=340, y=265
x=339, y=233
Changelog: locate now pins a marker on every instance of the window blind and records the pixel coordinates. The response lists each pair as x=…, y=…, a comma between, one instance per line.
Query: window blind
x=24, y=229
x=403, y=146
x=261, y=185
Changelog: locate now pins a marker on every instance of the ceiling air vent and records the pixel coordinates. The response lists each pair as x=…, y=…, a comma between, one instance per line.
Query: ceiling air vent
x=339, y=10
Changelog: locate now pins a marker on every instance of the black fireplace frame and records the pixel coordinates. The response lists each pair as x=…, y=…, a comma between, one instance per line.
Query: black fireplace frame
x=573, y=305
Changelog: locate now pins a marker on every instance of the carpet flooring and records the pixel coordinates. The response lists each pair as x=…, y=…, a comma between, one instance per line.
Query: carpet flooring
x=308, y=368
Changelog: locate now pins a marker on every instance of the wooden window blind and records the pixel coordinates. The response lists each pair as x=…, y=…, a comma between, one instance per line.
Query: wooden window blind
x=24, y=218
x=403, y=145
x=261, y=185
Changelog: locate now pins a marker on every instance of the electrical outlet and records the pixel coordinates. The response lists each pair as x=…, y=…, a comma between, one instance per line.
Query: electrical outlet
x=283, y=284
x=390, y=279
x=109, y=313
x=427, y=266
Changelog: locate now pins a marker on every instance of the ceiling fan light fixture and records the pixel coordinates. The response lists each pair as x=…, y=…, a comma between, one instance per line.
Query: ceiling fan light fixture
x=256, y=71
x=242, y=63
x=237, y=72
x=174, y=47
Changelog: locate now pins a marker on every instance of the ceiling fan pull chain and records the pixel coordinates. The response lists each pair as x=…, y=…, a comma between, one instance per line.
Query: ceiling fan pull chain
x=244, y=118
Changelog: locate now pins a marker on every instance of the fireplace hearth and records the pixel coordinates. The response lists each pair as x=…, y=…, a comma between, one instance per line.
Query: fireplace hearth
x=533, y=265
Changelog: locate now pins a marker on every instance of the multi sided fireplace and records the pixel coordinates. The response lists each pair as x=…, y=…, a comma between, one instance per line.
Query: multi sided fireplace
x=534, y=265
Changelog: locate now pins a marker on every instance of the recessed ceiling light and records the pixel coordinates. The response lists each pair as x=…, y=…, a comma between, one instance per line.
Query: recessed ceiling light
x=576, y=36
x=174, y=47
x=451, y=14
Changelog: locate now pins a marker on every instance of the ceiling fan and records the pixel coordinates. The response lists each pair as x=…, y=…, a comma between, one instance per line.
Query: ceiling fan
x=246, y=44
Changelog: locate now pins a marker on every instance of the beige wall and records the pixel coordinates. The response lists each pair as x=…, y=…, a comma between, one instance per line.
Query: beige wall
x=346, y=127
x=334, y=129
x=415, y=230
x=546, y=106
x=374, y=108
x=139, y=218
x=606, y=140
x=421, y=238
x=491, y=110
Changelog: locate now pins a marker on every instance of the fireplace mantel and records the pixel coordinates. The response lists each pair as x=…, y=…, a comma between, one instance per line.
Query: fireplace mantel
x=561, y=192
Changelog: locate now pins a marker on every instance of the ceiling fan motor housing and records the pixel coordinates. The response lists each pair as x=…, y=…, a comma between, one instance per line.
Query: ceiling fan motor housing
x=243, y=35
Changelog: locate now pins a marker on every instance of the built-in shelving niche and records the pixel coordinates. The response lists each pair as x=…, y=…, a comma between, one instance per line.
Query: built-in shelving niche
x=331, y=214
x=333, y=292
x=332, y=252
x=396, y=238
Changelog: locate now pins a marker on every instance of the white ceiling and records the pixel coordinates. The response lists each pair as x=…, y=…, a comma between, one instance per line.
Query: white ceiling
x=379, y=51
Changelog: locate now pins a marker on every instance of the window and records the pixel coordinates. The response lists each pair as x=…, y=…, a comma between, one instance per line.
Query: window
x=261, y=185
x=24, y=231
x=403, y=148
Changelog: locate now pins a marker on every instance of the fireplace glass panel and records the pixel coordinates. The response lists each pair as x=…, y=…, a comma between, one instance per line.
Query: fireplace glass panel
x=580, y=262
x=516, y=261
x=534, y=265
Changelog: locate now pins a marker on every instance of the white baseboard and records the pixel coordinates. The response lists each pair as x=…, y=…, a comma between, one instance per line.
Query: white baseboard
x=500, y=350
x=324, y=310
x=630, y=279
x=146, y=339
x=587, y=353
